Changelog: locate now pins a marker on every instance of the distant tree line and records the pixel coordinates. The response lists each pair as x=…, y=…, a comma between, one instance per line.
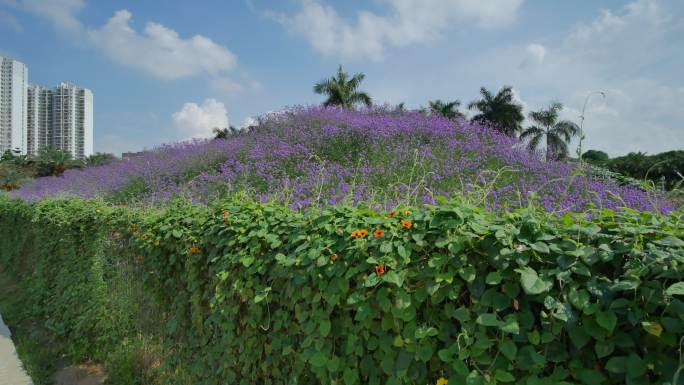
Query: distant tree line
x=16, y=169
x=665, y=169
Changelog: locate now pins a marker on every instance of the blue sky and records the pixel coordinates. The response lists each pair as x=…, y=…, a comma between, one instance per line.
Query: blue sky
x=170, y=70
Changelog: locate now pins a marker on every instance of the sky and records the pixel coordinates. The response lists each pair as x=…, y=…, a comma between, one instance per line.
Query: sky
x=165, y=71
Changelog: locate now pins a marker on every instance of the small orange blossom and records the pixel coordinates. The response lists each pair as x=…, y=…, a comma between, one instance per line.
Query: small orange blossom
x=406, y=224
x=380, y=269
x=378, y=233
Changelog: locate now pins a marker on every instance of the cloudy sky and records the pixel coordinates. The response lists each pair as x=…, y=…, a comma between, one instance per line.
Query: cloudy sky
x=171, y=70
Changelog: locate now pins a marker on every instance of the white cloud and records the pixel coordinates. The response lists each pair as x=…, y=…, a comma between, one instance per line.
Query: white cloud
x=60, y=12
x=159, y=50
x=230, y=86
x=197, y=121
x=408, y=22
x=248, y=121
x=535, y=54
x=627, y=53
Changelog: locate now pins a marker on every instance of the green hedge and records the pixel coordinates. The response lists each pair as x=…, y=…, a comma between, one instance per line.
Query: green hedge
x=251, y=293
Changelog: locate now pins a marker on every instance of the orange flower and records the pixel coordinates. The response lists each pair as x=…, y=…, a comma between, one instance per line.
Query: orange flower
x=225, y=222
x=140, y=259
x=406, y=224
x=225, y=213
x=392, y=214
x=333, y=257
x=362, y=233
x=194, y=250
x=378, y=233
x=380, y=269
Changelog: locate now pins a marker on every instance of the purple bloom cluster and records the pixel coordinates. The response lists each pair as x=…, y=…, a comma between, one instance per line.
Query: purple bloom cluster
x=315, y=156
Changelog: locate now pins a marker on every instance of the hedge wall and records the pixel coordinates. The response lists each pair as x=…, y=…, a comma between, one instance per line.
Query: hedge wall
x=258, y=294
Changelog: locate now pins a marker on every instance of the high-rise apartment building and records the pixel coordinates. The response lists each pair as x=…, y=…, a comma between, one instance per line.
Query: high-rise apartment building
x=33, y=117
x=72, y=120
x=39, y=122
x=13, y=99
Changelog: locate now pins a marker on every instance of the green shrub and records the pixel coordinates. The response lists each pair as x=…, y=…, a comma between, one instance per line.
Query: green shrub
x=251, y=293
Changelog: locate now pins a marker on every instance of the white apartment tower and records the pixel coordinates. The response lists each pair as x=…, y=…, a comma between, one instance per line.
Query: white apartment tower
x=39, y=121
x=13, y=105
x=72, y=120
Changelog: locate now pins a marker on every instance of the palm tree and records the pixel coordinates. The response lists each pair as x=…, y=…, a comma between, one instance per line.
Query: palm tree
x=343, y=90
x=557, y=132
x=500, y=110
x=448, y=110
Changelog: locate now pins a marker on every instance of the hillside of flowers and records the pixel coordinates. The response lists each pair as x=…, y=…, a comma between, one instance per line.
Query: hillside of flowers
x=307, y=157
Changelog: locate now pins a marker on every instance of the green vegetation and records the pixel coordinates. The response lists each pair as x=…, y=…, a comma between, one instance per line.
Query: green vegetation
x=342, y=90
x=16, y=169
x=448, y=110
x=241, y=292
x=500, y=110
x=665, y=170
x=547, y=126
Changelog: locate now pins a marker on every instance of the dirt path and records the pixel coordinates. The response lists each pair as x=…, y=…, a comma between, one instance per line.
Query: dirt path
x=11, y=370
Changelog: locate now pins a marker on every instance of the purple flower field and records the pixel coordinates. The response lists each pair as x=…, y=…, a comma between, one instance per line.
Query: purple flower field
x=315, y=156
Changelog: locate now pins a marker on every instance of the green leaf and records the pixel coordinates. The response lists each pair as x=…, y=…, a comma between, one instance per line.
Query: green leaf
x=318, y=360
x=487, y=319
x=636, y=367
x=262, y=295
x=670, y=241
x=604, y=348
x=324, y=327
x=425, y=352
x=675, y=289
x=393, y=277
x=579, y=298
x=423, y=332
x=652, y=328
x=462, y=314
x=503, y=376
x=403, y=300
x=350, y=376
x=531, y=283
x=607, y=320
x=508, y=349
x=467, y=273
x=534, y=337
x=510, y=325
x=617, y=365
x=493, y=278
x=540, y=247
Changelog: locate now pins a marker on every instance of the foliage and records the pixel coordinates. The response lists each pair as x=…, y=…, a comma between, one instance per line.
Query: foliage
x=665, y=169
x=257, y=293
x=99, y=159
x=448, y=110
x=80, y=283
x=342, y=90
x=17, y=170
x=500, y=110
x=557, y=133
x=225, y=133
x=595, y=157
x=314, y=157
